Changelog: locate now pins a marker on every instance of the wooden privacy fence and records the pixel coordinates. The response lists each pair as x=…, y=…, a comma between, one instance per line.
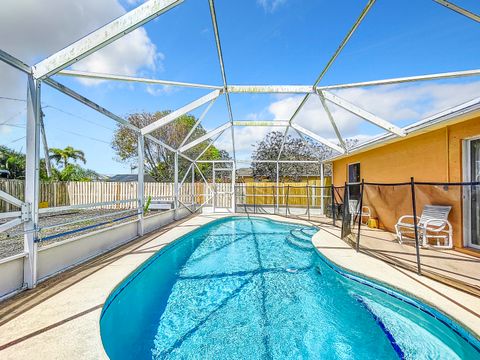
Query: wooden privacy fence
x=54, y=194
x=297, y=194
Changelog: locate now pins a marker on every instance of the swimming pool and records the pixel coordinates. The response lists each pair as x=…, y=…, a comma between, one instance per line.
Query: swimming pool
x=253, y=288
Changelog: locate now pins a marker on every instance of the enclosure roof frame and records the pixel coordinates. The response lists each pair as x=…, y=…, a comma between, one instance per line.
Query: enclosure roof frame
x=57, y=63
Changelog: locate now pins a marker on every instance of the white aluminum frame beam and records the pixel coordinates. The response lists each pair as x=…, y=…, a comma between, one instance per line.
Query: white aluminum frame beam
x=186, y=174
x=332, y=120
x=13, y=61
x=208, y=146
x=406, y=79
x=32, y=180
x=200, y=119
x=270, y=89
x=297, y=110
x=459, y=10
x=265, y=123
x=246, y=89
x=251, y=89
x=428, y=121
x=48, y=164
x=213, y=16
x=255, y=89
x=354, y=109
x=207, y=136
x=10, y=224
x=259, y=161
x=318, y=138
x=102, y=37
x=73, y=94
x=10, y=199
x=179, y=112
x=337, y=52
x=168, y=147
x=203, y=177
x=302, y=136
x=141, y=183
x=113, y=77
x=345, y=40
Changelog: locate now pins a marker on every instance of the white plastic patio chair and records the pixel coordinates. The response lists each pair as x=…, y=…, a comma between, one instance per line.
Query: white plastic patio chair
x=432, y=225
x=354, y=208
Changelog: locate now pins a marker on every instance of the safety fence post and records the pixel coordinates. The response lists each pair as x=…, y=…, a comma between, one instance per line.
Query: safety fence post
x=274, y=199
x=175, y=186
x=194, y=200
x=287, y=209
x=308, y=202
x=277, y=179
x=332, y=188
x=415, y=225
x=357, y=245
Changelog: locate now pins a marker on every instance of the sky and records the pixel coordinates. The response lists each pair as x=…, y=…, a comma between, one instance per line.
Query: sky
x=285, y=42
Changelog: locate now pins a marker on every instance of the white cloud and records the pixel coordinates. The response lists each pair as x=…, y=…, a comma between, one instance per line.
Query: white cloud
x=125, y=56
x=158, y=90
x=32, y=30
x=245, y=137
x=271, y=6
x=398, y=104
x=401, y=104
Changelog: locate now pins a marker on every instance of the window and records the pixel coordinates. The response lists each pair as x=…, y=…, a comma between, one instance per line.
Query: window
x=354, y=173
x=354, y=177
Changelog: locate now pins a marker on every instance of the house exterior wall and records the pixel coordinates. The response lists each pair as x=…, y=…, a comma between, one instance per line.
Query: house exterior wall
x=434, y=156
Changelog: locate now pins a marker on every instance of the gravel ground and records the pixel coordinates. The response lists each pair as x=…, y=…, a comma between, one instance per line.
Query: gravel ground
x=11, y=241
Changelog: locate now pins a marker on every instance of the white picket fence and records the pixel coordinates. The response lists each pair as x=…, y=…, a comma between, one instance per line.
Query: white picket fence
x=55, y=194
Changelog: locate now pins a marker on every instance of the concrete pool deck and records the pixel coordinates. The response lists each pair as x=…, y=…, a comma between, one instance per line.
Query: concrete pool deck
x=60, y=318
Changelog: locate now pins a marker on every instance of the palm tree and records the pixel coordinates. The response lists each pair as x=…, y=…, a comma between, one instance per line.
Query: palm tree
x=63, y=155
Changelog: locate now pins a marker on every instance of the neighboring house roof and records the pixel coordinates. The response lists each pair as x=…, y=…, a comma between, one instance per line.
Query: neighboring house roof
x=129, y=178
x=245, y=172
x=466, y=111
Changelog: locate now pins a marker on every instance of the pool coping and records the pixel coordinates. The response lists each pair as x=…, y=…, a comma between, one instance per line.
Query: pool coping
x=80, y=333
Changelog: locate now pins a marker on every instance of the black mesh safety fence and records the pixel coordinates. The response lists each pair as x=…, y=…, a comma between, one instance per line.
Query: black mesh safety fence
x=291, y=200
x=427, y=227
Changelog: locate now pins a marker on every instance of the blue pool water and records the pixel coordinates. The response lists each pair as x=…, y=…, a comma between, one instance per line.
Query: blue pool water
x=252, y=288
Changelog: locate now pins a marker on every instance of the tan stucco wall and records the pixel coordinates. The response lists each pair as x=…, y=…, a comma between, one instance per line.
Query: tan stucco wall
x=423, y=157
x=435, y=156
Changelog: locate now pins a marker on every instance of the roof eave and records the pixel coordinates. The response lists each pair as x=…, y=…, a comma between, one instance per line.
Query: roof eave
x=460, y=113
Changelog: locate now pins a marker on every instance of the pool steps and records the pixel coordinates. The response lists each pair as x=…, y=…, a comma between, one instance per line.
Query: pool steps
x=300, y=239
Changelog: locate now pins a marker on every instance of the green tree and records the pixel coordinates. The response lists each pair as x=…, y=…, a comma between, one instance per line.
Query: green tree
x=13, y=161
x=293, y=149
x=64, y=155
x=159, y=162
x=74, y=172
